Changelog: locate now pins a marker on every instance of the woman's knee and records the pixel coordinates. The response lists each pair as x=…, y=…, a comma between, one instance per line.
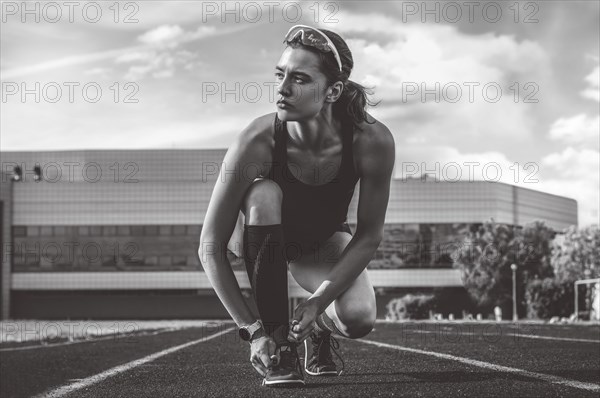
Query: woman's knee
x=360, y=327
x=359, y=319
x=262, y=202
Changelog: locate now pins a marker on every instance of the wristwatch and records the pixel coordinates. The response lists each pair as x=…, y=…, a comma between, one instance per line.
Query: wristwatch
x=247, y=332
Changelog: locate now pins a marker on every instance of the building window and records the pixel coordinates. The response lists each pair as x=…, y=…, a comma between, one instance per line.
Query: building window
x=19, y=231
x=18, y=260
x=109, y=261
x=30, y=253
x=165, y=230
x=96, y=230
x=33, y=231
x=137, y=230
x=60, y=231
x=109, y=230
x=164, y=260
x=46, y=231
x=130, y=258
x=179, y=260
x=193, y=261
x=151, y=230
x=123, y=230
x=178, y=230
x=194, y=230
x=84, y=231
x=151, y=260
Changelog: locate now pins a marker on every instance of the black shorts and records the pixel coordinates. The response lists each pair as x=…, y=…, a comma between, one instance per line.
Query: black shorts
x=296, y=248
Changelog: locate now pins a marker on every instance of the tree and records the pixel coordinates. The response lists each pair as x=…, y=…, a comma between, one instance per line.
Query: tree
x=548, y=297
x=487, y=253
x=575, y=253
x=535, y=252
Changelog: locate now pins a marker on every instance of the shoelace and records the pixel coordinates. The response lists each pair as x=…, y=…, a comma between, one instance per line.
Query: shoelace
x=290, y=352
x=334, y=345
x=280, y=337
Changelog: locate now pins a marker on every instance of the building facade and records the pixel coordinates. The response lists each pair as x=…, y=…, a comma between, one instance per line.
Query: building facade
x=115, y=233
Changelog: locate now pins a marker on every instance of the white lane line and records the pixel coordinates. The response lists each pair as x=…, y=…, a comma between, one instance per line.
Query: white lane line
x=88, y=381
x=515, y=336
x=486, y=365
x=91, y=340
x=534, y=336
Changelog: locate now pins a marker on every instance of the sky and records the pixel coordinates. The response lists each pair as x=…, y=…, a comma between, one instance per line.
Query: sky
x=498, y=91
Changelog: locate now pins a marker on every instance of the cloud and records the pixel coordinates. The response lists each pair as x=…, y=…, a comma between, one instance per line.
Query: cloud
x=585, y=192
x=576, y=169
x=437, y=53
x=574, y=163
x=593, y=92
x=162, y=34
x=442, y=137
x=162, y=58
x=446, y=163
x=204, y=133
x=163, y=74
x=172, y=36
x=465, y=84
x=65, y=62
x=574, y=173
x=576, y=129
x=100, y=72
x=135, y=56
x=153, y=41
x=161, y=64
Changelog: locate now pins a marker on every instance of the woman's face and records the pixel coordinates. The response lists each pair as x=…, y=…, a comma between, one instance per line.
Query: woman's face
x=301, y=85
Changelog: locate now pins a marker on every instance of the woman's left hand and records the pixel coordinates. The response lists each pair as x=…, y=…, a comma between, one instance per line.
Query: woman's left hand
x=303, y=323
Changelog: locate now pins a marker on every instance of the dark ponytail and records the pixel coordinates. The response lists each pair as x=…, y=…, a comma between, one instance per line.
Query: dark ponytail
x=353, y=102
x=354, y=99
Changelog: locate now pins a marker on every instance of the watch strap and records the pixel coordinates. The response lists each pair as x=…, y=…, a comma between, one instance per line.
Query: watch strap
x=252, y=328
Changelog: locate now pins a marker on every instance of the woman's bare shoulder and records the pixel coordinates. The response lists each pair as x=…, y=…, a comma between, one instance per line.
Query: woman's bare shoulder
x=259, y=129
x=255, y=143
x=373, y=132
x=374, y=142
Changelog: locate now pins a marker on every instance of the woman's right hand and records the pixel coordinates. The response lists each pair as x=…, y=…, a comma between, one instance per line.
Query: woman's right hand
x=261, y=350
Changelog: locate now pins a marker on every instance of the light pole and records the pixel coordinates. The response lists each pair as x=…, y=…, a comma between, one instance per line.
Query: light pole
x=513, y=267
x=588, y=297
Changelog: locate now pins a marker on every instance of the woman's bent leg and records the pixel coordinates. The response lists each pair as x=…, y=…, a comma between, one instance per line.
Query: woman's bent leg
x=353, y=312
x=263, y=255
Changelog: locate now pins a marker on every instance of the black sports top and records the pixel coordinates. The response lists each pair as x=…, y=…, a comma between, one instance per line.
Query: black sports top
x=313, y=212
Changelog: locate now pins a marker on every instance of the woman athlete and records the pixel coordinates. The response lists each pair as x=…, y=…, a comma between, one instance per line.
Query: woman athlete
x=292, y=175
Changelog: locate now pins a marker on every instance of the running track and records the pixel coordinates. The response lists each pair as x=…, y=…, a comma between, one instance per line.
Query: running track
x=443, y=359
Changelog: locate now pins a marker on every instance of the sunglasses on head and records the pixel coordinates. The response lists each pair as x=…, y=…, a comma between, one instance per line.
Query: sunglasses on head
x=315, y=38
